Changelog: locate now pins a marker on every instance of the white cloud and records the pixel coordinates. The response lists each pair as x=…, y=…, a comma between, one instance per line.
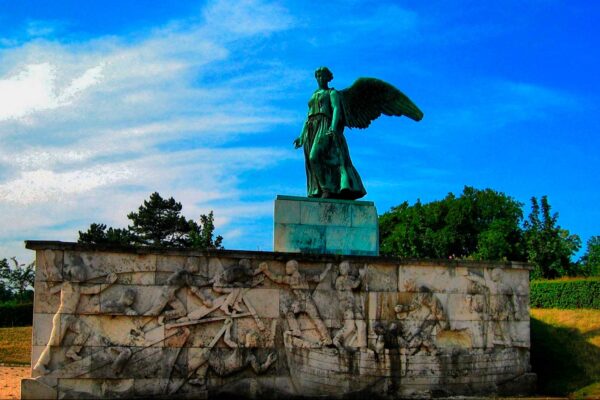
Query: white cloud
x=45, y=185
x=89, y=78
x=27, y=92
x=34, y=89
x=246, y=17
x=90, y=129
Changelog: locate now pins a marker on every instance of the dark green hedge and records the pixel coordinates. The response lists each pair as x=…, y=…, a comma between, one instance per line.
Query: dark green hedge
x=574, y=293
x=12, y=314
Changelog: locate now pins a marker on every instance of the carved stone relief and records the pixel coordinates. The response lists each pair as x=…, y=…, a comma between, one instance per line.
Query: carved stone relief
x=207, y=325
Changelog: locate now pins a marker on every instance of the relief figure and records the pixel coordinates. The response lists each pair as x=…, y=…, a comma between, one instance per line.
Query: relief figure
x=168, y=298
x=231, y=280
x=303, y=301
x=124, y=305
x=64, y=320
x=501, y=306
x=223, y=363
x=354, y=331
x=420, y=321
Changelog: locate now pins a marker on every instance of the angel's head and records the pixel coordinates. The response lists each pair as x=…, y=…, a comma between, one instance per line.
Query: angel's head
x=323, y=76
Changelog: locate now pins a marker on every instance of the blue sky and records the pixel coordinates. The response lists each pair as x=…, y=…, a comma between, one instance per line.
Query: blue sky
x=102, y=103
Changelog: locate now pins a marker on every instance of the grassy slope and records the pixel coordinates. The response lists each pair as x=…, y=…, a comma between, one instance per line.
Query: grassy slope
x=15, y=345
x=565, y=351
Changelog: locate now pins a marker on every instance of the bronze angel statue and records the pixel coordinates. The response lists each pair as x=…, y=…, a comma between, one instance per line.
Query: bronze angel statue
x=329, y=170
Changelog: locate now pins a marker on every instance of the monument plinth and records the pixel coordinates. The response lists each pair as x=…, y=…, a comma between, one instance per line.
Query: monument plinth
x=325, y=226
x=114, y=322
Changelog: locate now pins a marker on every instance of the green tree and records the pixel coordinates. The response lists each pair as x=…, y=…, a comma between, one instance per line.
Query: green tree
x=99, y=234
x=17, y=280
x=590, y=262
x=549, y=247
x=202, y=234
x=479, y=224
x=158, y=222
x=5, y=292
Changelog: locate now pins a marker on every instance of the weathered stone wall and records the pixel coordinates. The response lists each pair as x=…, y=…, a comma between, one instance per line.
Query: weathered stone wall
x=122, y=323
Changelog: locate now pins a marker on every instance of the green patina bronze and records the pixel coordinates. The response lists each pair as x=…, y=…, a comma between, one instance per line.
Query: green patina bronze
x=325, y=226
x=329, y=169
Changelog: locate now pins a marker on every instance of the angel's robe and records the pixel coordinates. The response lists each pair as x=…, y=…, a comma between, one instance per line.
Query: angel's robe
x=329, y=169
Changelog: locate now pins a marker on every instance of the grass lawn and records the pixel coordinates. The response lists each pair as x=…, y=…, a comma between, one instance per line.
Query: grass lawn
x=15, y=345
x=565, y=352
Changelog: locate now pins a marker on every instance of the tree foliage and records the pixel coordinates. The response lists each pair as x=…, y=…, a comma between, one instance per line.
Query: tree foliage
x=16, y=280
x=479, y=224
x=201, y=235
x=158, y=222
x=99, y=234
x=486, y=225
x=590, y=262
x=549, y=247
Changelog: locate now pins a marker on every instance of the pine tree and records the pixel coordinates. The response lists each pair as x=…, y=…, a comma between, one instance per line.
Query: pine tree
x=158, y=222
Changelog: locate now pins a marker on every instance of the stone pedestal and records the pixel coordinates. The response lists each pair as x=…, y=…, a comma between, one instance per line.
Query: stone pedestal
x=325, y=226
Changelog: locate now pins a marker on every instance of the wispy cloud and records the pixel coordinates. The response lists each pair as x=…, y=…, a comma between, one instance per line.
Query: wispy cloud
x=33, y=90
x=36, y=28
x=89, y=129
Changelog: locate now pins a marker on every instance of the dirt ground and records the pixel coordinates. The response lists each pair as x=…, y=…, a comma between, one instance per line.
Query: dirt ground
x=10, y=381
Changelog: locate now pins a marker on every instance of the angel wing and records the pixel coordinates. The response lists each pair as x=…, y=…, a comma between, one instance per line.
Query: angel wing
x=368, y=98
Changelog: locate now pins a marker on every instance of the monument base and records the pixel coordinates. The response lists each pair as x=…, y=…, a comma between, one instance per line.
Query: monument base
x=325, y=226
x=117, y=322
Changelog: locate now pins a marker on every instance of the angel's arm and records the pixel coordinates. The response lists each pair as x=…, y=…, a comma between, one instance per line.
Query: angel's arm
x=336, y=106
x=299, y=141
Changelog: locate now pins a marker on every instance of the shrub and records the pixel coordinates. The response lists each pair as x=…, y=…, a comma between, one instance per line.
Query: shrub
x=566, y=293
x=14, y=314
